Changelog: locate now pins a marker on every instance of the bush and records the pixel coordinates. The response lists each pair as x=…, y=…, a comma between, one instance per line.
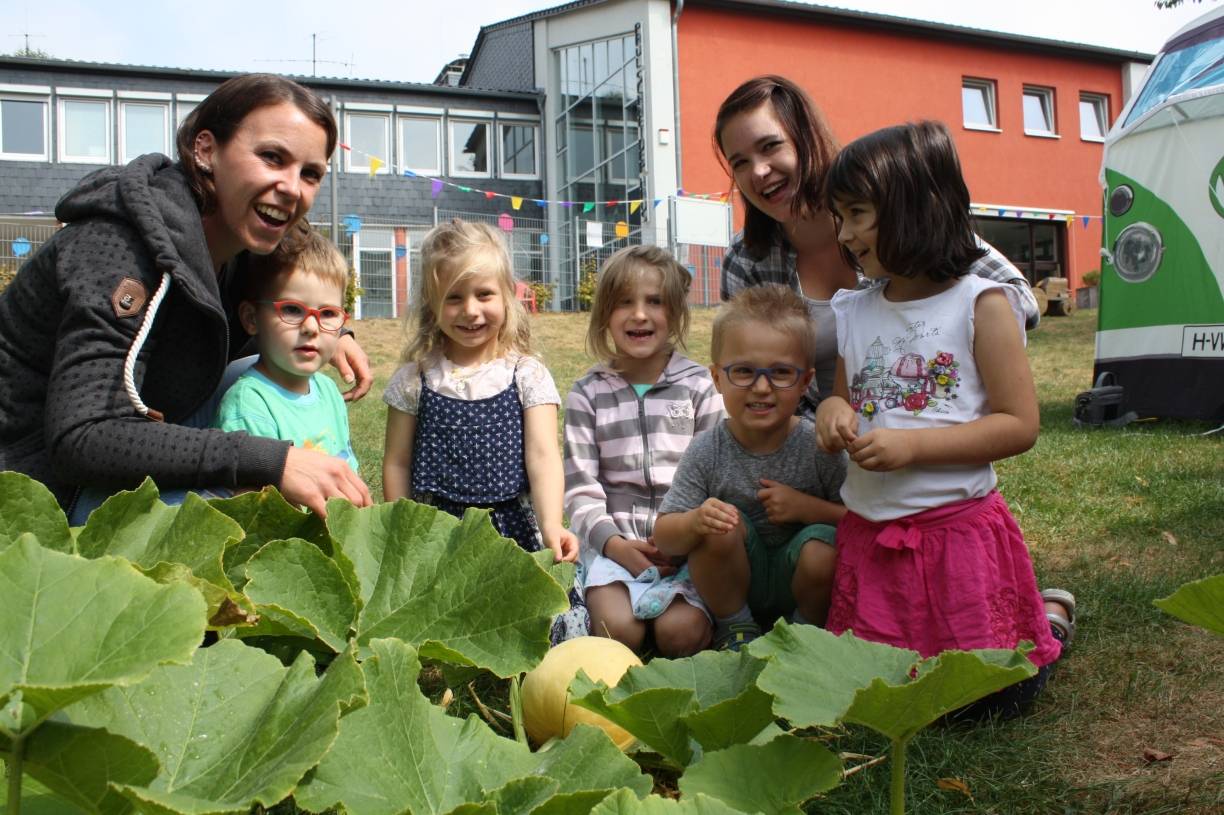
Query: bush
x=543, y=294
x=586, y=283
x=1092, y=277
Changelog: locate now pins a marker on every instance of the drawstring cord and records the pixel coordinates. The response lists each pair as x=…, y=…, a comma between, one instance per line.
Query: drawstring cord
x=129, y=363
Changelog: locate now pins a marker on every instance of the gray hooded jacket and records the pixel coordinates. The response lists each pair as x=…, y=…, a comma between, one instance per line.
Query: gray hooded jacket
x=69, y=318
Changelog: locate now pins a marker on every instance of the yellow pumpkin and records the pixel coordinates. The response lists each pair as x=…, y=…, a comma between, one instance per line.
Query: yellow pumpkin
x=547, y=712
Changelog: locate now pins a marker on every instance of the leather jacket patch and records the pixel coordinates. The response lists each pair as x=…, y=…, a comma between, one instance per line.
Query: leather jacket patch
x=129, y=297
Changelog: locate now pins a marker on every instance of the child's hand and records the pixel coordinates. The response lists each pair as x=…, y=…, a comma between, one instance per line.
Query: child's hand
x=836, y=425
x=637, y=556
x=882, y=450
x=782, y=504
x=562, y=542
x=715, y=517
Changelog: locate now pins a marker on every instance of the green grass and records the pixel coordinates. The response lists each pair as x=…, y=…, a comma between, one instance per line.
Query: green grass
x=1120, y=517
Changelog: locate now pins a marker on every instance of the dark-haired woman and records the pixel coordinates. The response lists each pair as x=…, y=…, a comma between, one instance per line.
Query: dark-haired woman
x=115, y=335
x=777, y=149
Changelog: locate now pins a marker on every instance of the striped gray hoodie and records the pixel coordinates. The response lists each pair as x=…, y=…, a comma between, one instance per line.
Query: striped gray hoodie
x=621, y=451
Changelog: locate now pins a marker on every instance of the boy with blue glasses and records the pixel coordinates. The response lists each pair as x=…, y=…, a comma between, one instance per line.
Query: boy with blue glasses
x=754, y=502
x=292, y=307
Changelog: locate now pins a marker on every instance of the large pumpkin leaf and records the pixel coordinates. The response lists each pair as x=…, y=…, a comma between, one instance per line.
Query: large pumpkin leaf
x=711, y=698
x=266, y=516
x=1199, y=603
x=294, y=577
x=233, y=728
x=625, y=803
x=138, y=526
x=772, y=778
x=404, y=754
x=71, y=627
x=80, y=764
x=38, y=800
x=454, y=588
x=814, y=675
x=28, y=506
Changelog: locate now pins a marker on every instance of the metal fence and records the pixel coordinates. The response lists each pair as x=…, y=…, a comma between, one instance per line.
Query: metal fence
x=385, y=255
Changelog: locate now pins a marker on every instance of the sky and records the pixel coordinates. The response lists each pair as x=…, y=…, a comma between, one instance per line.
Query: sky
x=410, y=40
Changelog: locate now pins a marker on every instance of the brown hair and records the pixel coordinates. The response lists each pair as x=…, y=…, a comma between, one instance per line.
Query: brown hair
x=911, y=175
x=449, y=253
x=773, y=306
x=807, y=130
x=620, y=274
x=223, y=111
x=302, y=251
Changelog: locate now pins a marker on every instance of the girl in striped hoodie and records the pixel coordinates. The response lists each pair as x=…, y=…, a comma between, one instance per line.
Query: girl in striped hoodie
x=627, y=422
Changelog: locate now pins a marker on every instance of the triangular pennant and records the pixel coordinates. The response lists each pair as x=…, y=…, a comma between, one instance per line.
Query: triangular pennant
x=435, y=187
x=464, y=189
x=490, y=195
x=588, y=206
x=658, y=201
x=516, y=202
x=633, y=206
x=345, y=146
x=375, y=163
x=612, y=203
x=410, y=174
x=1085, y=219
x=541, y=203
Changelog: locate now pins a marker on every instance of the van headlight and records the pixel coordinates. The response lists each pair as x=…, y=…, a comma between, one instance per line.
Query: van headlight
x=1137, y=252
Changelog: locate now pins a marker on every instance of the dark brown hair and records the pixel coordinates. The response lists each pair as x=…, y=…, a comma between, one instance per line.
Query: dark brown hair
x=911, y=175
x=620, y=274
x=807, y=130
x=223, y=111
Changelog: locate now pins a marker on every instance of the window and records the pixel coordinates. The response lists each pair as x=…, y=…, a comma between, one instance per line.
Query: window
x=519, y=155
x=419, y=144
x=469, y=149
x=369, y=137
x=144, y=127
x=84, y=131
x=978, y=103
x=1094, y=116
x=23, y=127
x=1039, y=111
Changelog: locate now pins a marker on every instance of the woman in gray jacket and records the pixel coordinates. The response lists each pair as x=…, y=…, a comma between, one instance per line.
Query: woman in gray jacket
x=115, y=335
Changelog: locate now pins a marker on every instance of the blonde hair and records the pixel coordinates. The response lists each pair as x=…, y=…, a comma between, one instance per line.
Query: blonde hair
x=777, y=307
x=304, y=251
x=620, y=274
x=450, y=253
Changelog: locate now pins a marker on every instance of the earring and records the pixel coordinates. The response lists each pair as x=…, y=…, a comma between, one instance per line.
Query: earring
x=204, y=168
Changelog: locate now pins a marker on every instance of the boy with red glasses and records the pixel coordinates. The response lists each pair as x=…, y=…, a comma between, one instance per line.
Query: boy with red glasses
x=292, y=307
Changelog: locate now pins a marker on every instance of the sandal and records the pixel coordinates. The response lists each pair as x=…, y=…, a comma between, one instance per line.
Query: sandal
x=737, y=636
x=1063, y=622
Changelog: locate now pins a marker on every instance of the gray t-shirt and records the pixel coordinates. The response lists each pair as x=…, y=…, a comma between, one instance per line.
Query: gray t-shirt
x=715, y=465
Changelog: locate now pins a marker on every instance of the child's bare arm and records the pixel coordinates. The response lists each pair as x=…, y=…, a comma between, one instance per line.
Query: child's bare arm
x=1009, y=429
x=546, y=475
x=784, y=504
x=397, y=454
x=677, y=533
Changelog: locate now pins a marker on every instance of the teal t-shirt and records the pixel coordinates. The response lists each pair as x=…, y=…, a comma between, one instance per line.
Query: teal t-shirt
x=317, y=420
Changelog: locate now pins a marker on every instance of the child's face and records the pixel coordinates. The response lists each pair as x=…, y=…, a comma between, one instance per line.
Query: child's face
x=290, y=354
x=858, y=234
x=761, y=407
x=472, y=314
x=639, y=321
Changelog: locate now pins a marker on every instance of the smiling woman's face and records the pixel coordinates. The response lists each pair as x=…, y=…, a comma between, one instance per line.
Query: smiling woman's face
x=266, y=178
x=762, y=159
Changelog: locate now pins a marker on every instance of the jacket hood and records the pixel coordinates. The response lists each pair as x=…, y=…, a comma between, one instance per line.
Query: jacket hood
x=677, y=368
x=152, y=195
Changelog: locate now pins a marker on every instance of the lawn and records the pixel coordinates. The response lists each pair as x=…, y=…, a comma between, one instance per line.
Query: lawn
x=1118, y=517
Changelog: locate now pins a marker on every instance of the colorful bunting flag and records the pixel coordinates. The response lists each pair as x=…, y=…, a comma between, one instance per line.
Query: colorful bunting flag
x=633, y=206
x=435, y=187
x=375, y=163
x=588, y=206
x=622, y=229
x=516, y=202
x=505, y=222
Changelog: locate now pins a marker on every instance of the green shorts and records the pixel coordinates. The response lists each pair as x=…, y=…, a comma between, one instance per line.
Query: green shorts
x=773, y=568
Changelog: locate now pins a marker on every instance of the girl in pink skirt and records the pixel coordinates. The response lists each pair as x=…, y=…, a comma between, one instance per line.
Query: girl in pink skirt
x=932, y=385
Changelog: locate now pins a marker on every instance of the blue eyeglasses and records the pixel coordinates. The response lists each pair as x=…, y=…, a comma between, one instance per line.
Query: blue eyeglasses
x=778, y=376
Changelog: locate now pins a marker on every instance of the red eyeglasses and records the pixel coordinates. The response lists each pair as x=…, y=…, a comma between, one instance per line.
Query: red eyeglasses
x=294, y=312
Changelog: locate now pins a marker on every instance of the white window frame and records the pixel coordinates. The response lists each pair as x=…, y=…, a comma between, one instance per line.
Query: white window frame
x=987, y=88
x=352, y=157
x=1100, y=112
x=63, y=97
x=1046, y=98
x=436, y=169
x=30, y=93
x=167, y=138
x=507, y=122
x=467, y=118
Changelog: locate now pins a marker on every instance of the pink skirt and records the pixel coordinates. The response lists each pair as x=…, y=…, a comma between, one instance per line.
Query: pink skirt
x=955, y=577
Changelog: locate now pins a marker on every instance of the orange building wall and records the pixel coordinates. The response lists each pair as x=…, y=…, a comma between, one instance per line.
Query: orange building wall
x=864, y=79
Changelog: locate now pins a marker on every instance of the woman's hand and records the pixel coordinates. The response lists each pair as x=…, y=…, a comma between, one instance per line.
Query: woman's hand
x=562, y=542
x=310, y=478
x=637, y=555
x=354, y=366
